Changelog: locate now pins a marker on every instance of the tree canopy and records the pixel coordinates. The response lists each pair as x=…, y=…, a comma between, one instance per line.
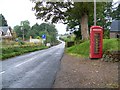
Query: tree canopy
x=71, y=13
x=36, y=31
x=3, y=21
x=116, y=13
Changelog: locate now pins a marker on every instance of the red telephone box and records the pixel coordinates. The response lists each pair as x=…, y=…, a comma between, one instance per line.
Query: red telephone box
x=96, y=40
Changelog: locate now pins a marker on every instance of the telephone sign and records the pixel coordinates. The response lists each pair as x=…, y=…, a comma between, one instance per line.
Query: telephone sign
x=96, y=41
x=43, y=36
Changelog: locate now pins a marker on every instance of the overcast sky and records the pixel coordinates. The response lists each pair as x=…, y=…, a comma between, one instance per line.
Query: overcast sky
x=15, y=11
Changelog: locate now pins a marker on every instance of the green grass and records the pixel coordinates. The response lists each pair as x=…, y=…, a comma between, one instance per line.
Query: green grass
x=18, y=50
x=111, y=45
x=83, y=48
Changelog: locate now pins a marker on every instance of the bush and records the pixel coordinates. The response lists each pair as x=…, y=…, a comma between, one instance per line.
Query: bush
x=18, y=50
x=79, y=41
x=69, y=44
x=21, y=43
x=113, y=56
x=106, y=34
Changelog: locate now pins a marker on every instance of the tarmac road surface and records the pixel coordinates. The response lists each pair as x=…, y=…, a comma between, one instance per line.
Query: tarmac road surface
x=33, y=70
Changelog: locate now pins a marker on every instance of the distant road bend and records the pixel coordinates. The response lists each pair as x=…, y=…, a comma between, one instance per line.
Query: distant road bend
x=33, y=70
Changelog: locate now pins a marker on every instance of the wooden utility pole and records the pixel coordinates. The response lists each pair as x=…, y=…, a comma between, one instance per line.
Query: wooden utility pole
x=23, y=33
x=95, y=12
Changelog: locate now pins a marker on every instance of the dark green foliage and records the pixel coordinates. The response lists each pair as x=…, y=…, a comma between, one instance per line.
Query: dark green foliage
x=54, y=10
x=106, y=34
x=21, y=42
x=50, y=31
x=69, y=44
x=37, y=30
x=25, y=28
x=104, y=15
x=116, y=13
x=3, y=21
x=70, y=13
x=18, y=31
x=34, y=31
x=68, y=38
x=107, y=14
x=78, y=35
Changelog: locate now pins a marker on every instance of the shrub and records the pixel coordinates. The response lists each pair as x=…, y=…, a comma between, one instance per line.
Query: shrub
x=21, y=43
x=69, y=44
x=18, y=50
x=113, y=56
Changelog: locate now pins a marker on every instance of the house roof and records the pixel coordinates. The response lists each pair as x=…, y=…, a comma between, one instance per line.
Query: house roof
x=115, y=26
x=4, y=29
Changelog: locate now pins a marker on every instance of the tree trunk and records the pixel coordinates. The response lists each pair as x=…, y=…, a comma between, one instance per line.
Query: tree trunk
x=84, y=27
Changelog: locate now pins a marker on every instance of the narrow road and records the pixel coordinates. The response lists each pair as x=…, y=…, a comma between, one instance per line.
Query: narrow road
x=33, y=70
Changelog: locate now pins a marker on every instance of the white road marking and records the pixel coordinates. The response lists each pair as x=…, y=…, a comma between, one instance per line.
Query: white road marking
x=28, y=60
x=2, y=72
x=31, y=59
x=57, y=53
x=25, y=62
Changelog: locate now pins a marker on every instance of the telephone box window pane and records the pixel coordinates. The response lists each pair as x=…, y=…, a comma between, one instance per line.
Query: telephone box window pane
x=96, y=43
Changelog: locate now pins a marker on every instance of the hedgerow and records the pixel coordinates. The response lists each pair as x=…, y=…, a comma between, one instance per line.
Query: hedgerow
x=8, y=52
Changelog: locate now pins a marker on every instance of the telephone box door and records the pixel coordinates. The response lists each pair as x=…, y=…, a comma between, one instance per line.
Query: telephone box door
x=96, y=37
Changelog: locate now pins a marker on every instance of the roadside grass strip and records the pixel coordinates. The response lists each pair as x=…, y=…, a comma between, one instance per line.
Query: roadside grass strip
x=83, y=48
x=19, y=50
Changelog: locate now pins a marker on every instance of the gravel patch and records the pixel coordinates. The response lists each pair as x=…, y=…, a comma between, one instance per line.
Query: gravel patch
x=76, y=72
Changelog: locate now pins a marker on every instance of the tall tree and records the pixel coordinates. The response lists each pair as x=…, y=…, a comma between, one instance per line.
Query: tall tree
x=116, y=13
x=17, y=30
x=65, y=11
x=3, y=21
x=49, y=30
x=22, y=29
x=34, y=31
x=25, y=27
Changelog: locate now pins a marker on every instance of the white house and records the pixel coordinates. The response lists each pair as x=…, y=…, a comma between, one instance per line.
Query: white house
x=5, y=32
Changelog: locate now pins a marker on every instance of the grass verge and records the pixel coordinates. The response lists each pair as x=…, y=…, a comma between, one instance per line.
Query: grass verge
x=18, y=50
x=82, y=49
